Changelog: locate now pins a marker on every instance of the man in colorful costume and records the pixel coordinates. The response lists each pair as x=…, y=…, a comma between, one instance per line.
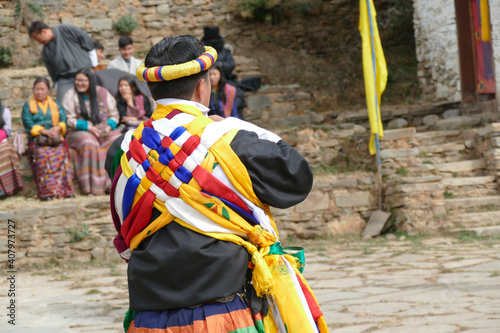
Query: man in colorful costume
x=190, y=201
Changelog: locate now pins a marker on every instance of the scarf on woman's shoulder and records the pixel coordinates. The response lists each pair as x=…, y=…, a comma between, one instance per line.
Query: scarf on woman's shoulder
x=49, y=104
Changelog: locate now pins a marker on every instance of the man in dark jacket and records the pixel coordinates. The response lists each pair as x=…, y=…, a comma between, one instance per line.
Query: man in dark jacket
x=66, y=49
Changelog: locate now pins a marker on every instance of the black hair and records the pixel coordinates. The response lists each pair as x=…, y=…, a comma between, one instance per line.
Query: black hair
x=98, y=46
x=41, y=79
x=172, y=51
x=124, y=41
x=121, y=104
x=2, y=121
x=221, y=93
x=95, y=115
x=36, y=27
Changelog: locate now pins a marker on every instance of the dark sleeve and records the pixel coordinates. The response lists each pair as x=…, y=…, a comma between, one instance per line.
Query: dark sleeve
x=109, y=166
x=239, y=100
x=280, y=176
x=227, y=62
x=46, y=58
x=79, y=36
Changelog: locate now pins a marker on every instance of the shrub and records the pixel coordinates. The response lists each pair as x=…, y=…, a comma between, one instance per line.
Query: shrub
x=126, y=24
x=6, y=55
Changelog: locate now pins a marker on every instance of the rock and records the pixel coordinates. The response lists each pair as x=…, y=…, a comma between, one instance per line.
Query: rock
x=390, y=237
x=397, y=123
x=258, y=102
x=348, y=224
x=353, y=199
x=163, y=9
x=457, y=122
x=430, y=119
x=315, y=201
x=453, y=113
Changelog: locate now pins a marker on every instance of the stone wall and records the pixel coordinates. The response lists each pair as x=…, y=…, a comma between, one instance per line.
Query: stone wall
x=437, y=49
x=81, y=229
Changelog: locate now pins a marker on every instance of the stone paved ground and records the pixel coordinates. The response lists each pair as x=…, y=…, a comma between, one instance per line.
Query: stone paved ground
x=435, y=284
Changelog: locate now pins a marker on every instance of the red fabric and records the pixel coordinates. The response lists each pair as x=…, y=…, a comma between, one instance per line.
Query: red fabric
x=137, y=151
x=214, y=186
x=311, y=302
x=139, y=217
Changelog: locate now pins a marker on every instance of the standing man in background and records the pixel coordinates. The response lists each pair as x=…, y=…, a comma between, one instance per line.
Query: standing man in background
x=126, y=60
x=66, y=49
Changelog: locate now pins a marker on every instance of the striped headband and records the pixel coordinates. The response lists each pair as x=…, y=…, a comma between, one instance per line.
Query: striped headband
x=172, y=72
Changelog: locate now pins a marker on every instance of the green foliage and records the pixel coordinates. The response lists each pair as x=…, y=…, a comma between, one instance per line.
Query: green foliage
x=126, y=24
x=79, y=232
x=6, y=55
x=402, y=171
x=28, y=11
x=448, y=195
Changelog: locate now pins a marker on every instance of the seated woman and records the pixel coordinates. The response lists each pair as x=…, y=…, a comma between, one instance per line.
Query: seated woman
x=92, y=118
x=10, y=176
x=226, y=100
x=133, y=106
x=45, y=120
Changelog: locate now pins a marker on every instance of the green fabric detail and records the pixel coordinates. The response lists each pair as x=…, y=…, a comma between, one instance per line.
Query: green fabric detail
x=225, y=214
x=215, y=164
x=129, y=316
x=116, y=162
x=111, y=123
x=149, y=231
x=296, y=251
x=251, y=329
x=259, y=325
x=209, y=205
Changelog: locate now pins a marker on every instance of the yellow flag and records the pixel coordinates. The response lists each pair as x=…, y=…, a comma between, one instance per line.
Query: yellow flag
x=374, y=68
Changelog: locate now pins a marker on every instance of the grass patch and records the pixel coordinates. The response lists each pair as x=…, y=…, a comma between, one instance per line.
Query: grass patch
x=93, y=291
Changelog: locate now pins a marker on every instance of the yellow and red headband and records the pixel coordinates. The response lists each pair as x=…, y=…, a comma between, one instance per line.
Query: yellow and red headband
x=172, y=72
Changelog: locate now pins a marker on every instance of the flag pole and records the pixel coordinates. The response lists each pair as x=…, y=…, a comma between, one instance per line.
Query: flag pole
x=377, y=141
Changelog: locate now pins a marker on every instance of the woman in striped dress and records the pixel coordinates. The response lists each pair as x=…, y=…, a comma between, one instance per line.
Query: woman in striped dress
x=10, y=177
x=92, y=118
x=45, y=121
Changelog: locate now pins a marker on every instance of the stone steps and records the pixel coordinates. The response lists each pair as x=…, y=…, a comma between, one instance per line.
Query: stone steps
x=467, y=168
x=488, y=202
x=481, y=231
x=474, y=220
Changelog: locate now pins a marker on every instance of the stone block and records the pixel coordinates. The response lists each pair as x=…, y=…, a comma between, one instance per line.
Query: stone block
x=258, y=102
x=468, y=181
x=430, y=119
x=77, y=21
x=163, y=9
x=398, y=153
x=397, y=123
x=353, y=199
x=347, y=224
x=4, y=216
x=457, y=122
x=101, y=24
x=424, y=179
x=491, y=128
x=461, y=166
x=315, y=201
x=422, y=187
x=345, y=183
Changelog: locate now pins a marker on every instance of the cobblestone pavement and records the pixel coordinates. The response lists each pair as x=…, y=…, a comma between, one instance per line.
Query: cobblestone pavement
x=415, y=284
